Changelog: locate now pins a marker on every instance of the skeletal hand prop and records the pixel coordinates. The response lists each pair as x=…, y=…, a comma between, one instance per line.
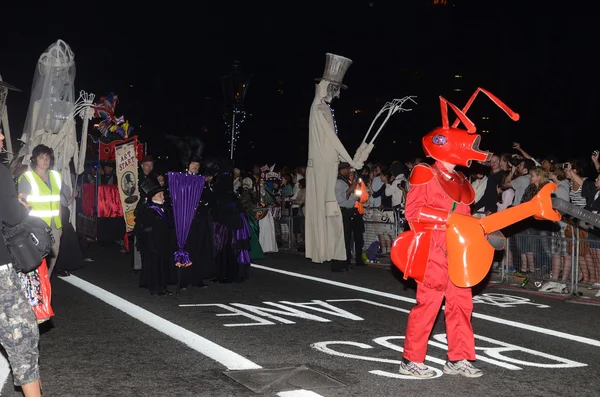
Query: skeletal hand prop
x=363, y=151
x=357, y=165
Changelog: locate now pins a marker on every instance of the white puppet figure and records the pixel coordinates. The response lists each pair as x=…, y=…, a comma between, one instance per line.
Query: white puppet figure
x=4, y=126
x=324, y=232
x=52, y=110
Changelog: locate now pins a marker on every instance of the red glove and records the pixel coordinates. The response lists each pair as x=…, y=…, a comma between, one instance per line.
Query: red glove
x=428, y=215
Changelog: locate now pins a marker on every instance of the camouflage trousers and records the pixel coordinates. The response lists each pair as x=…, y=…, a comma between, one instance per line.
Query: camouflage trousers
x=19, y=333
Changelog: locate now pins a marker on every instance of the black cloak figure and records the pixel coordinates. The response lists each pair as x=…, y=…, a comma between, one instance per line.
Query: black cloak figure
x=232, y=233
x=154, y=231
x=70, y=255
x=200, y=242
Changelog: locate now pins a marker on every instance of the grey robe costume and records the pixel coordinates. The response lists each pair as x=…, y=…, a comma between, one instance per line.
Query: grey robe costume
x=324, y=234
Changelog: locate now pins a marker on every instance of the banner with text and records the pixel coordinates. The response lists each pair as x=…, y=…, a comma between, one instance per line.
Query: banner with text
x=107, y=150
x=127, y=179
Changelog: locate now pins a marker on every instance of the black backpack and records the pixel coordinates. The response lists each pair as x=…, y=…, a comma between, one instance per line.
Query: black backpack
x=28, y=242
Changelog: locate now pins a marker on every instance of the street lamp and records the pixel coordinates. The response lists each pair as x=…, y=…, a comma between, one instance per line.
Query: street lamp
x=235, y=85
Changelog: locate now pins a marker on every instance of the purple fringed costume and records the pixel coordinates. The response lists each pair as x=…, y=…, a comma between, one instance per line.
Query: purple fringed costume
x=242, y=236
x=231, y=233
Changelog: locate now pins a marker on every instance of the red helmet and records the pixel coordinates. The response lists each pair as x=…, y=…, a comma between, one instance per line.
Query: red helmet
x=453, y=145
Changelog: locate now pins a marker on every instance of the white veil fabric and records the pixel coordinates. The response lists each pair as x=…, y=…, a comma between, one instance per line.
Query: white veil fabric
x=52, y=109
x=52, y=94
x=4, y=127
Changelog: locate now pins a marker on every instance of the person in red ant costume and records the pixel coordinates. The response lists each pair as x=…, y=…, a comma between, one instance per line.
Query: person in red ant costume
x=437, y=191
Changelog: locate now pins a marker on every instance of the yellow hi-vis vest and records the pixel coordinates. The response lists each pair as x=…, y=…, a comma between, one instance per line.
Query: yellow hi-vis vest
x=45, y=202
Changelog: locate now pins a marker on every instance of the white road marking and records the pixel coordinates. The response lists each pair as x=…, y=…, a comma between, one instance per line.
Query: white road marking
x=298, y=393
x=324, y=347
x=228, y=358
x=497, y=320
x=4, y=371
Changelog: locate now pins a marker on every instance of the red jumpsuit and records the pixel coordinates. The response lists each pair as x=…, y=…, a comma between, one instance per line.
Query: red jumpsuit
x=433, y=189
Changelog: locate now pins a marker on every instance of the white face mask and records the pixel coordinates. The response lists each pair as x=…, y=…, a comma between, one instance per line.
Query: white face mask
x=333, y=91
x=158, y=202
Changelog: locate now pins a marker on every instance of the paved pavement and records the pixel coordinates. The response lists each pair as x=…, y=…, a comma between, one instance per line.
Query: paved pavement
x=297, y=330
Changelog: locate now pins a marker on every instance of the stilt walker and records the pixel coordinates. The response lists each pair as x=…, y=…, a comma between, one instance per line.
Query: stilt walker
x=323, y=228
x=52, y=110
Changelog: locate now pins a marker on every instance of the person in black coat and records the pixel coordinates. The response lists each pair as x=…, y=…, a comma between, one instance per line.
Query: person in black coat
x=70, y=255
x=232, y=233
x=200, y=243
x=17, y=314
x=145, y=173
x=154, y=238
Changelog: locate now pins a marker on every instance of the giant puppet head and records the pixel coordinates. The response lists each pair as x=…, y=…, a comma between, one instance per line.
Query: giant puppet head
x=453, y=145
x=329, y=85
x=53, y=92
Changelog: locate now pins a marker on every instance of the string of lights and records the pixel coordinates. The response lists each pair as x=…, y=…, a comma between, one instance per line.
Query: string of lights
x=239, y=112
x=333, y=116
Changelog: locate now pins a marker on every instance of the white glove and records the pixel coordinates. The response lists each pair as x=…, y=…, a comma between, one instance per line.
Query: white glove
x=364, y=154
x=360, y=150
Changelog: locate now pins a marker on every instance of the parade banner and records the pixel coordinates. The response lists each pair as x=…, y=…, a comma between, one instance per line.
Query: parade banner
x=127, y=179
x=107, y=150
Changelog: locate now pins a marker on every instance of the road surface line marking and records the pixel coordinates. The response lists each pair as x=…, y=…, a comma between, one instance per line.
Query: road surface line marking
x=228, y=358
x=4, y=371
x=498, y=320
x=298, y=393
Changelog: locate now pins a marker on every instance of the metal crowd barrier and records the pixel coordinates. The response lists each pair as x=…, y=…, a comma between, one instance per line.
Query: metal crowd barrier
x=539, y=256
x=528, y=255
x=381, y=229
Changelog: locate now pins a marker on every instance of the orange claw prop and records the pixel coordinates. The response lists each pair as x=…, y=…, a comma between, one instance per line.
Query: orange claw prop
x=470, y=255
x=410, y=253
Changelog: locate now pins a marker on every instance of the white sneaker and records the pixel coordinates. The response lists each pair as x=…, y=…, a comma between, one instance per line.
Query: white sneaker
x=547, y=286
x=597, y=294
x=559, y=288
x=418, y=370
x=462, y=367
x=553, y=286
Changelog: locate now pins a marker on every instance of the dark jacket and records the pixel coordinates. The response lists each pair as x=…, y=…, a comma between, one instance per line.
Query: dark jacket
x=11, y=211
x=490, y=195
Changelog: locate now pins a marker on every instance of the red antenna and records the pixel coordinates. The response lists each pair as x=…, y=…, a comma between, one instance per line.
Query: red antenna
x=444, y=103
x=513, y=115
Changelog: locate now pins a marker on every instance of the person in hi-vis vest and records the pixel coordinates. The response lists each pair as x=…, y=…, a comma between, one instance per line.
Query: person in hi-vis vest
x=44, y=190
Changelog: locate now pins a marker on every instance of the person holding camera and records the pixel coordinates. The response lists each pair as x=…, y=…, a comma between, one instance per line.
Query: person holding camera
x=19, y=333
x=354, y=227
x=585, y=192
x=595, y=161
x=396, y=186
x=487, y=202
x=519, y=179
x=561, y=256
x=525, y=155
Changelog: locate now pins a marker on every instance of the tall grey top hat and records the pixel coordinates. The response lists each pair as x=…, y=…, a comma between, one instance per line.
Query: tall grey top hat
x=335, y=69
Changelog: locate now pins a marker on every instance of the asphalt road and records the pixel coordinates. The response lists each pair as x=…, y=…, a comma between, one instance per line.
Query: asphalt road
x=297, y=330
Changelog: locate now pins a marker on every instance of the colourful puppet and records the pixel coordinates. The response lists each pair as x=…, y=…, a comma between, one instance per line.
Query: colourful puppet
x=105, y=109
x=122, y=128
x=447, y=251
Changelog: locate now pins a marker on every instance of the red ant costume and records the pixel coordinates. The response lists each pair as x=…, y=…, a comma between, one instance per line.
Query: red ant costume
x=447, y=251
x=436, y=192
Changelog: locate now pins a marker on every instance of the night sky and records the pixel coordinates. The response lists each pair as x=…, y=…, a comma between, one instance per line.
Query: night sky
x=166, y=63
